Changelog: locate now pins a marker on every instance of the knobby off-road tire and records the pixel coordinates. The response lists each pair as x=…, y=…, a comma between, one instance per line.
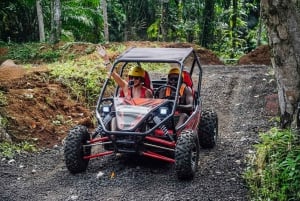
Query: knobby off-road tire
x=208, y=129
x=74, y=150
x=186, y=155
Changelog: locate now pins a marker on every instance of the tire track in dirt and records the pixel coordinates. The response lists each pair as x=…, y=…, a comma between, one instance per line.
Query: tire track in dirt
x=238, y=95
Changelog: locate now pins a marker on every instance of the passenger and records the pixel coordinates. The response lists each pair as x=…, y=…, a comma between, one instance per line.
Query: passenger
x=185, y=102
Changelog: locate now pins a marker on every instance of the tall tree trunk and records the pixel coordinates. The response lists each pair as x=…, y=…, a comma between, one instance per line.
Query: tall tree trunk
x=103, y=4
x=126, y=28
x=259, y=31
x=226, y=4
x=209, y=21
x=282, y=19
x=40, y=17
x=233, y=28
x=163, y=24
x=55, y=21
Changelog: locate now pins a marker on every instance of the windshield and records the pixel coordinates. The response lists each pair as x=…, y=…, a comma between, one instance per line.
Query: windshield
x=130, y=112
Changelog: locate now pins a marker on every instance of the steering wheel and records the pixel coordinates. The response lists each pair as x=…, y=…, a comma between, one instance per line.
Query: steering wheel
x=156, y=93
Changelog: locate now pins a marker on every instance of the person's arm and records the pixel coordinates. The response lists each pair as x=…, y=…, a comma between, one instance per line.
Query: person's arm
x=120, y=81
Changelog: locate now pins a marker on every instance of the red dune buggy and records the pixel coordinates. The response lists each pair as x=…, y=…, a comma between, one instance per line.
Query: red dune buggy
x=147, y=126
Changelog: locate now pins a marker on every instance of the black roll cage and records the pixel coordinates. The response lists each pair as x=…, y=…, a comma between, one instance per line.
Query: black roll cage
x=153, y=55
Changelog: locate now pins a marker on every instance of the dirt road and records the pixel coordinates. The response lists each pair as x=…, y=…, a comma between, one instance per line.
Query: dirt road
x=238, y=94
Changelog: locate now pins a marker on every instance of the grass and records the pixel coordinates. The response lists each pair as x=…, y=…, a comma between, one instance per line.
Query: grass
x=3, y=100
x=274, y=170
x=9, y=150
x=84, y=77
x=30, y=52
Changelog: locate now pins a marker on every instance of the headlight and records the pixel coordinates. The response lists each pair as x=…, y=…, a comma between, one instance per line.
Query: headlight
x=163, y=111
x=106, y=109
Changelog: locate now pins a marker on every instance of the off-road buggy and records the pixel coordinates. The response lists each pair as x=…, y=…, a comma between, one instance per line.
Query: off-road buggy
x=147, y=126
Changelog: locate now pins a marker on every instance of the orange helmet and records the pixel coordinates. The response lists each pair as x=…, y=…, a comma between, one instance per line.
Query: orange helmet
x=136, y=71
x=174, y=70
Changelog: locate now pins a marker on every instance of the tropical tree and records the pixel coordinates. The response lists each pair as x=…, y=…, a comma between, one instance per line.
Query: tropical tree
x=163, y=19
x=40, y=17
x=82, y=20
x=55, y=21
x=227, y=27
x=17, y=20
x=207, y=38
x=282, y=21
x=103, y=4
x=236, y=27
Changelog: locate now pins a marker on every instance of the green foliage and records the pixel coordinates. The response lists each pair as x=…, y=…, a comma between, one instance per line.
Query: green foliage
x=84, y=77
x=17, y=20
x=116, y=19
x=3, y=100
x=8, y=150
x=23, y=52
x=230, y=32
x=116, y=48
x=274, y=172
x=3, y=121
x=232, y=43
x=67, y=36
x=49, y=56
x=153, y=31
x=27, y=52
x=237, y=31
x=82, y=21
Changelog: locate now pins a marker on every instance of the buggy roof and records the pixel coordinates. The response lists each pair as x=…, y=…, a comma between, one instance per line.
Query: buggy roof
x=155, y=55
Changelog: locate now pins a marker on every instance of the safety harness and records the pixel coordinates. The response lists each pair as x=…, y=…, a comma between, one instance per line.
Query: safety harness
x=181, y=91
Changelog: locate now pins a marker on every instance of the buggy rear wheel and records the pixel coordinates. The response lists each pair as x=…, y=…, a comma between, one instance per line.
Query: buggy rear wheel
x=208, y=129
x=186, y=155
x=74, y=150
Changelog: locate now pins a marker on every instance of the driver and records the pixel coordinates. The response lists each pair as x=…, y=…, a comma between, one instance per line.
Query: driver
x=185, y=102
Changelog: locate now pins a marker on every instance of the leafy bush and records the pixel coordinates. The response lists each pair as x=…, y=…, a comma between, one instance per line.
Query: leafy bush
x=84, y=77
x=23, y=52
x=3, y=100
x=274, y=172
x=28, y=52
x=8, y=149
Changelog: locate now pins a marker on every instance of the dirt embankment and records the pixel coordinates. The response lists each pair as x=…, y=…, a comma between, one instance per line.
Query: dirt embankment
x=38, y=109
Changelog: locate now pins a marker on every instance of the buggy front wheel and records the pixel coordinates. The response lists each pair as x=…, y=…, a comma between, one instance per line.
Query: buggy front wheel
x=186, y=155
x=74, y=149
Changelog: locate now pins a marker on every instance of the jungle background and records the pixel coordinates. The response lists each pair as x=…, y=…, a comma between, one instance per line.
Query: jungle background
x=229, y=28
